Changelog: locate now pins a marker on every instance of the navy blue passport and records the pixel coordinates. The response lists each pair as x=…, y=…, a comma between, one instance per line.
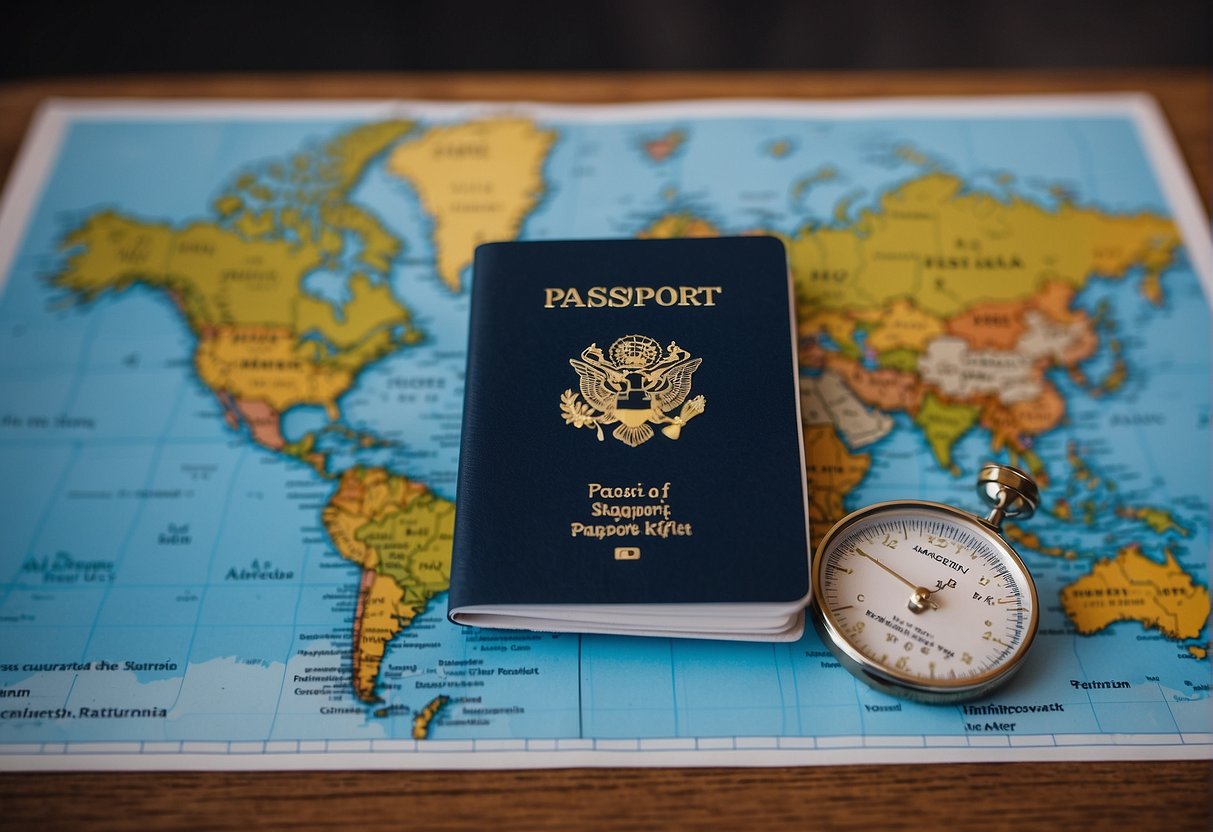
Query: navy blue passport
x=632, y=455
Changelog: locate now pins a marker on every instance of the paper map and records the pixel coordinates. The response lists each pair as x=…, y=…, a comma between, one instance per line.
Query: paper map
x=232, y=340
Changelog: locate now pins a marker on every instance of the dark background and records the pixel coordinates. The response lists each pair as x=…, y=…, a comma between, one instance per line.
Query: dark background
x=56, y=38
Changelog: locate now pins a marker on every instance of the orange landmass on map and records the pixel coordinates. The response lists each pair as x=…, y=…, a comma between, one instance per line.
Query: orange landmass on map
x=264, y=423
x=664, y=146
x=994, y=326
x=888, y=390
x=678, y=225
x=377, y=620
x=1133, y=587
x=1010, y=425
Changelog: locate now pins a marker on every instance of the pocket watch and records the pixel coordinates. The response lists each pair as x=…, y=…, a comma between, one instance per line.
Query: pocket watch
x=925, y=601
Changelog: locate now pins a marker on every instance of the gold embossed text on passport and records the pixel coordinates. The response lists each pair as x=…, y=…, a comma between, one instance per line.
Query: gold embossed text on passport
x=624, y=511
x=606, y=297
x=634, y=386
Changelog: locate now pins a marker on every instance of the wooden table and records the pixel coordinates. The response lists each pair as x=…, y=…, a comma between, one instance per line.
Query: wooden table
x=1172, y=796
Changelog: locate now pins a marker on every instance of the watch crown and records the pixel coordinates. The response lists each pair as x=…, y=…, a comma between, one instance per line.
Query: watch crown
x=1010, y=491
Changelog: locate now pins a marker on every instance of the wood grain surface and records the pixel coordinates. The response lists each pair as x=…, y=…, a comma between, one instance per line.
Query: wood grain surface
x=1147, y=796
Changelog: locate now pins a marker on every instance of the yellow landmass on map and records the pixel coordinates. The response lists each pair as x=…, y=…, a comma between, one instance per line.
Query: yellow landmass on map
x=214, y=275
x=379, y=246
x=270, y=365
x=371, y=310
x=825, y=173
x=902, y=325
x=946, y=248
x=308, y=201
x=421, y=722
x=1017, y=535
x=347, y=155
x=1159, y=520
x=400, y=534
x=780, y=148
x=842, y=208
x=477, y=180
x=1081, y=472
x=912, y=156
x=250, y=224
x=412, y=546
x=1117, y=376
x=1062, y=510
x=1132, y=587
x=264, y=344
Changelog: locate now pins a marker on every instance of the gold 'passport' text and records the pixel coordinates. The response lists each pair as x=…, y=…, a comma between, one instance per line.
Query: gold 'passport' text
x=598, y=297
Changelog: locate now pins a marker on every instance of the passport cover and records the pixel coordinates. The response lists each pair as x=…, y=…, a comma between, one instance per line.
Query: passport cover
x=631, y=438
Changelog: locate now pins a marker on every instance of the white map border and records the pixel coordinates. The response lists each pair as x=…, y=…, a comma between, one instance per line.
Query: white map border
x=687, y=752
x=33, y=165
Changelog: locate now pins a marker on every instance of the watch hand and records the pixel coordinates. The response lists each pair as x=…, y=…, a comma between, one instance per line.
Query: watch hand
x=920, y=599
x=910, y=584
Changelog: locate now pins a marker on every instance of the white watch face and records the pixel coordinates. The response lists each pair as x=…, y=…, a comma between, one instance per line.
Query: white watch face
x=926, y=595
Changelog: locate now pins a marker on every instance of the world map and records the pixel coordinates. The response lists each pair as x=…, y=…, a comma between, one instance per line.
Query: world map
x=231, y=363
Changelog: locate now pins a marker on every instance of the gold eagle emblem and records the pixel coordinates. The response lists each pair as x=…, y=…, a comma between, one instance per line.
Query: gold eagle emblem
x=634, y=385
